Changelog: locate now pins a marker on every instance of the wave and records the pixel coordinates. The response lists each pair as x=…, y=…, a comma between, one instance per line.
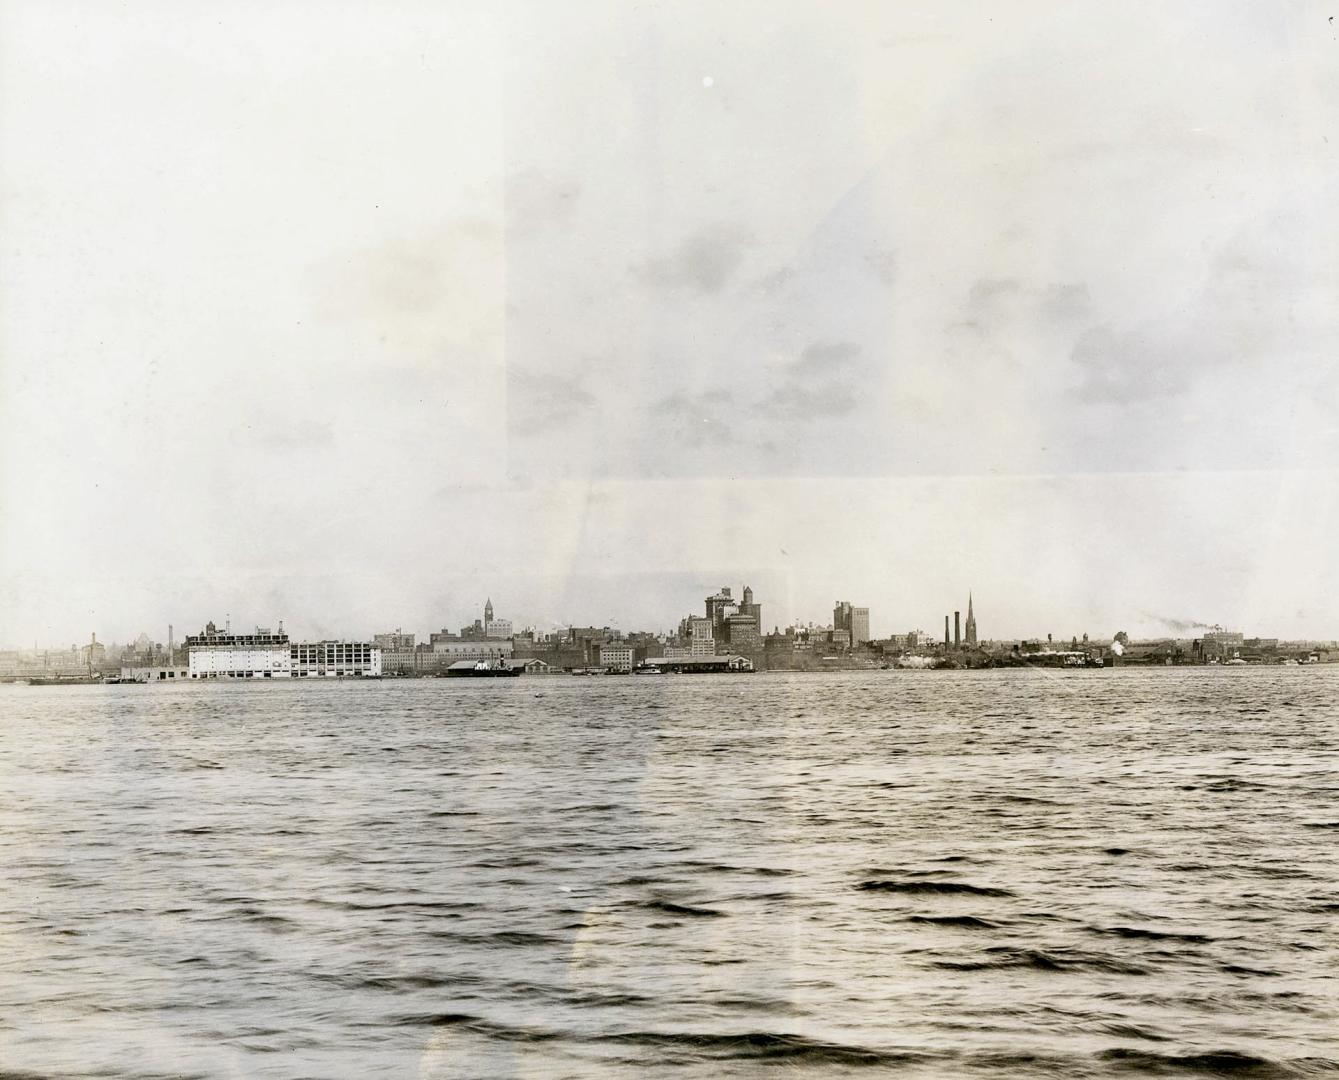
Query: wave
x=767, y=1046
x=941, y=888
x=1212, y=1063
x=1139, y=934
x=1003, y=956
x=669, y=907
x=727, y=868
x=395, y=905
x=970, y=922
x=720, y=1046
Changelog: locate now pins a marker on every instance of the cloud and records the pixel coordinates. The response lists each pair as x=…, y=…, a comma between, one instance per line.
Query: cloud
x=1258, y=310
x=822, y=383
x=1126, y=368
x=824, y=357
x=705, y=262
x=994, y=305
x=702, y=417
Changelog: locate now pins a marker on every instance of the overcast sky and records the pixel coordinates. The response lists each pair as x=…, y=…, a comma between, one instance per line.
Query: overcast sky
x=355, y=314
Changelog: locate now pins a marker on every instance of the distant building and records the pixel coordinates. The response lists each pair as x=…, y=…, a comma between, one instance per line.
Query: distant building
x=741, y=633
x=262, y=655
x=450, y=646
x=95, y=653
x=495, y=628
x=718, y=607
x=748, y=607
x=396, y=642
x=859, y=625
x=488, y=627
x=971, y=623
x=854, y=620
x=398, y=653
x=154, y=673
x=268, y=654
x=697, y=637
x=324, y=659
x=616, y=656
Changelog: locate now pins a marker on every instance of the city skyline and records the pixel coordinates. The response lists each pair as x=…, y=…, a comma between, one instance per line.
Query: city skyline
x=844, y=616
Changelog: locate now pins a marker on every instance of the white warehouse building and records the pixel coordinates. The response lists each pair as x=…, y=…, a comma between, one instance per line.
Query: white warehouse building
x=336, y=658
x=267, y=654
x=225, y=655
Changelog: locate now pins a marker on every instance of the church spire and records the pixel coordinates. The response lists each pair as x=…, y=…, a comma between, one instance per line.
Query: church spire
x=971, y=622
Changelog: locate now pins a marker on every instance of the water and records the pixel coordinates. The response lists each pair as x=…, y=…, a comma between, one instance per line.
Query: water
x=1109, y=873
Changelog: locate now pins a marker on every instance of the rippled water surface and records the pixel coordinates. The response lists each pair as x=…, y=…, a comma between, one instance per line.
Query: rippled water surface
x=1106, y=873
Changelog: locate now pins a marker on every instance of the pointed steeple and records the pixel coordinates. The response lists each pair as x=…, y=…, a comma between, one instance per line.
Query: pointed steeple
x=488, y=611
x=971, y=622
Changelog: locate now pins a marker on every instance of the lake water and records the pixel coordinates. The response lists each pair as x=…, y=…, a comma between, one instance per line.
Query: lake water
x=938, y=874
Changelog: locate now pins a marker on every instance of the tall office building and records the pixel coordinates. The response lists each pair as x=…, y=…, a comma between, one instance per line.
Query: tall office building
x=748, y=607
x=854, y=620
x=859, y=625
x=742, y=633
x=718, y=608
x=841, y=615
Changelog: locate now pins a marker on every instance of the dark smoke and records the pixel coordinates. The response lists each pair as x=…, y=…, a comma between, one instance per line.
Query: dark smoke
x=1180, y=626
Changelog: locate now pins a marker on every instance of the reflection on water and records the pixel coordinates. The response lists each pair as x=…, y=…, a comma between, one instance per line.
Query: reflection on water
x=936, y=874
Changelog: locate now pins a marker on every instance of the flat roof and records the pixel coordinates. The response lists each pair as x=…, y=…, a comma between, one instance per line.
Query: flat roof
x=717, y=658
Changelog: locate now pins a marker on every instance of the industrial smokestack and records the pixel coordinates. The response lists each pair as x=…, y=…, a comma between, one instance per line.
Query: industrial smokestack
x=957, y=631
x=946, y=631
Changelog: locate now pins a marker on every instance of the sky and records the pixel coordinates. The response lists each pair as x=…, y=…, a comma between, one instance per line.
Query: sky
x=355, y=315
